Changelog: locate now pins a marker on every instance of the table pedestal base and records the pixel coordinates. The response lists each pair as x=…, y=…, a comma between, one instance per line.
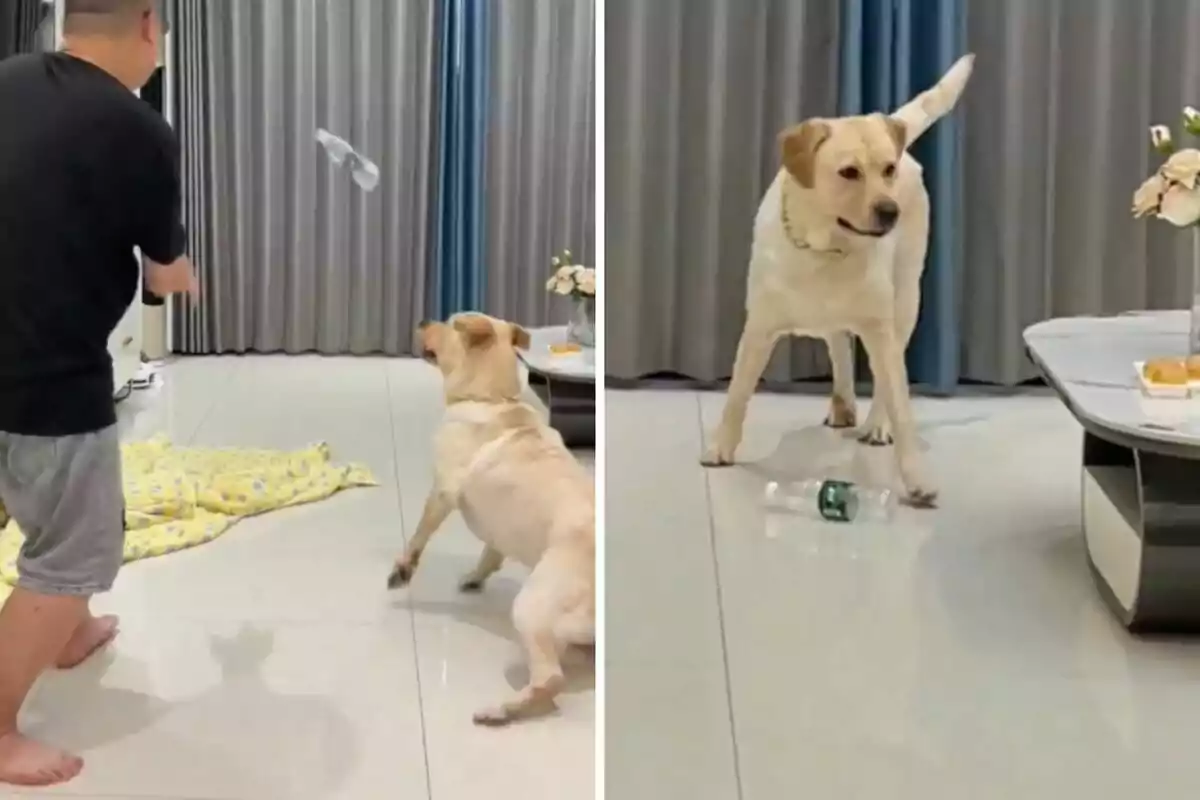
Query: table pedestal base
x=1141, y=520
x=572, y=407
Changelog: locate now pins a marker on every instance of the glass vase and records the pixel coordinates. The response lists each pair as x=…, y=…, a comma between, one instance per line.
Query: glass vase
x=581, y=330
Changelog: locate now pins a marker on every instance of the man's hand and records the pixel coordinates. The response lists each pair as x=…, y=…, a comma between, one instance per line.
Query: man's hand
x=177, y=277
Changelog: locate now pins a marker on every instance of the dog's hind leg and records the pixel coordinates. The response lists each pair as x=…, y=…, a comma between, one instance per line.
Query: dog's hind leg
x=542, y=601
x=490, y=560
x=843, y=411
x=438, y=506
x=753, y=353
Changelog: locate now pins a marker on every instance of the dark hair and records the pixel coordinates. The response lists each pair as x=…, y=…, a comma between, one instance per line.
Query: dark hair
x=106, y=7
x=104, y=15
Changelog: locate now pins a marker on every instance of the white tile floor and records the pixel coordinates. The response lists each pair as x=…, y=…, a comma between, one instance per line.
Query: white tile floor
x=959, y=653
x=272, y=664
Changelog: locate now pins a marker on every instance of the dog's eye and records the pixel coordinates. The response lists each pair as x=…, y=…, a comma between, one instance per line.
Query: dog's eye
x=889, y=171
x=850, y=173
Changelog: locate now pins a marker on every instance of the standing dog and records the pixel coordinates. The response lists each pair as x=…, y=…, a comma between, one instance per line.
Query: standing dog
x=519, y=490
x=839, y=248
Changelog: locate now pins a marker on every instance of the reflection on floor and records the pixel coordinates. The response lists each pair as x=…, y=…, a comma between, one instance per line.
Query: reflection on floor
x=272, y=664
x=958, y=653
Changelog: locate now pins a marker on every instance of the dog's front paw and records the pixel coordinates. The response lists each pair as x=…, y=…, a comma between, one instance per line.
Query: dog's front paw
x=496, y=717
x=715, y=457
x=470, y=584
x=720, y=453
x=401, y=575
x=841, y=414
x=919, y=492
x=921, y=497
x=876, y=432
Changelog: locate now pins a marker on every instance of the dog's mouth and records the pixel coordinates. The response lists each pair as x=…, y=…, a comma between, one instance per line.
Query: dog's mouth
x=875, y=234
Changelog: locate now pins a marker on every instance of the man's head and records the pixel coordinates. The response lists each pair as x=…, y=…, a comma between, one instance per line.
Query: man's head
x=119, y=36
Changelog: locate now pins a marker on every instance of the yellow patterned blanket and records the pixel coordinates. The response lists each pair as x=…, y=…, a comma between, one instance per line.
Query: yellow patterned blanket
x=177, y=498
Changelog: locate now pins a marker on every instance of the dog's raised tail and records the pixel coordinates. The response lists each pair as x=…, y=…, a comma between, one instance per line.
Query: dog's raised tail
x=931, y=105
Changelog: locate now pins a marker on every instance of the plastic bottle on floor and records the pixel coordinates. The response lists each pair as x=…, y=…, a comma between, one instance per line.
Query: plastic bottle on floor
x=832, y=500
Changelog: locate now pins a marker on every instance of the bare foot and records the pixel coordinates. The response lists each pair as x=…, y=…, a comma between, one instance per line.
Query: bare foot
x=24, y=762
x=92, y=635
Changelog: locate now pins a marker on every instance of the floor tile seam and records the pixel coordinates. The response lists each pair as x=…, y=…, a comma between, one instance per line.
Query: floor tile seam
x=412, y=612
x=712, y=533
x=218, y=394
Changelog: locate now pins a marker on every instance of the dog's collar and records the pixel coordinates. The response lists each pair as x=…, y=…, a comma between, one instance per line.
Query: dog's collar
x=492, y=401
x=797, y=241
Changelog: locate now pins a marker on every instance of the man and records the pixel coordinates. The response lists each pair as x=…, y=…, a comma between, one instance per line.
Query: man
x=88, y=172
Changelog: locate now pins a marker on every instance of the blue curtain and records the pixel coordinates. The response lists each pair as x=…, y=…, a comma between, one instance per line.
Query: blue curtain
x=891, y=50
x=458, y=279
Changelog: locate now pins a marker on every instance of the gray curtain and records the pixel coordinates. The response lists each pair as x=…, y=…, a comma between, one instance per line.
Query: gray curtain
x=1055, y=127
x=697, y=93
x=293, y=256
x=1056, y=143
x=541, y=142
x=26, y=26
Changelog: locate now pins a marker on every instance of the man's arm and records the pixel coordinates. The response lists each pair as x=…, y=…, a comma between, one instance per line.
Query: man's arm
x=158, y=210
x=177, y=277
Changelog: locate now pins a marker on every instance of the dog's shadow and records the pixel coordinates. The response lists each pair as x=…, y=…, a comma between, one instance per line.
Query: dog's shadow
x=818, y=451
x=490, y=612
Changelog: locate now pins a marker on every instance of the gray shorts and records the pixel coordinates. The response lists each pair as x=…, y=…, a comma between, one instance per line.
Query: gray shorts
x=66, y=495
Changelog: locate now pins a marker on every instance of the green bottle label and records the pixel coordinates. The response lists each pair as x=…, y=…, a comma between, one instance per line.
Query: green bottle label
x=837, y=501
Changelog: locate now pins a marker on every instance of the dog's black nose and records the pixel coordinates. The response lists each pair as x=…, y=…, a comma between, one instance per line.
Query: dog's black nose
x=886, y=213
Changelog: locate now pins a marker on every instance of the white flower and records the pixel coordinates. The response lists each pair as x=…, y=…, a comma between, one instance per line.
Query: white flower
x=1148, y=197
x=1180, y=206
x=554, y=262
x=565, y=273
x=564, y=286
x=1160, y=137
x=1172, y=193
x=550, y=284
x=567, y=255
x=1183, y=167
x=587, y=283
x=1191, y=120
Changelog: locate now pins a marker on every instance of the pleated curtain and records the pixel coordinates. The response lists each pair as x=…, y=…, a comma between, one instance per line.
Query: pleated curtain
x=459, y=270
x=697, y=93
x=1056, y=142
x=1031, y=178
x=479, y=114
x=24, y=28
x=540, y=152
x=892, y=50
x=293, y=255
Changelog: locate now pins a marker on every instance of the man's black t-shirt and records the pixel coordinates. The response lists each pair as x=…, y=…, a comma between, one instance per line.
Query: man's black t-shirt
x=88, y=172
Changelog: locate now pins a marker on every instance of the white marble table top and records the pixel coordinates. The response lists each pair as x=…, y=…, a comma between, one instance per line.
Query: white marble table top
x=580, y=366
x=1091, y=361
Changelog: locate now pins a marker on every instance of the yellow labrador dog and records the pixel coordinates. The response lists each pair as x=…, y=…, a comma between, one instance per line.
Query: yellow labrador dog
x=519, y=490
x=839, y=248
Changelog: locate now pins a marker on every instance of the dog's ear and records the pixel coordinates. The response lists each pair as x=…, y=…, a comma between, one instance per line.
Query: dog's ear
x=799, y=145
x=898, y=131
x=520, y=337
x=477, y=331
